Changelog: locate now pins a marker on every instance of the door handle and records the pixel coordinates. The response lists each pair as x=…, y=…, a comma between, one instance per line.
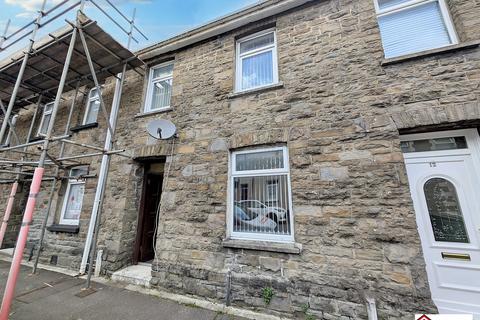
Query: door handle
x=456, y=256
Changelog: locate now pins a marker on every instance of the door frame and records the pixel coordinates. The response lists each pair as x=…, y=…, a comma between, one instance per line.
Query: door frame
x=141, y=215
x=472, y=151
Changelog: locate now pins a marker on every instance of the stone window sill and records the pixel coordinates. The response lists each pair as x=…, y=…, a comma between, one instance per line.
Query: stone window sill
x=63, y=228
x=151, y=113
x=428, y=53
x=294, y=248
x=84, y=127
x=278, y=85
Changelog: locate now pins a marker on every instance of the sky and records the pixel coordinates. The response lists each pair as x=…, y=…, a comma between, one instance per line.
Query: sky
x=158, y=19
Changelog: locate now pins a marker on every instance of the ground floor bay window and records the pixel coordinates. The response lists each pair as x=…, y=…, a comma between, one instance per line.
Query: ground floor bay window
x=260, y=195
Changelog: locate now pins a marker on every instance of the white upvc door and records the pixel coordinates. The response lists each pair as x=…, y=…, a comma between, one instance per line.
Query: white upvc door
x=445, y=188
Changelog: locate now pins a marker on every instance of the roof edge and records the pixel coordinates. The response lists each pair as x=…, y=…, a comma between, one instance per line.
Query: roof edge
x=222, y=25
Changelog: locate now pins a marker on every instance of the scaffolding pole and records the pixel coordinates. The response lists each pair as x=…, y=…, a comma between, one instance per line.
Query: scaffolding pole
x=37, y=177
x=52, y=189
x=22, y=71
x=93, y=230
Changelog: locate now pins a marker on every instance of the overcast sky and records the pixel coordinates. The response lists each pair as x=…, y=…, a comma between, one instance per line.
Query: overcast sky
x=159, y=19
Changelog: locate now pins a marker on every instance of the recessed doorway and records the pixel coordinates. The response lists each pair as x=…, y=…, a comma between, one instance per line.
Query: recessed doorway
x=148, y=212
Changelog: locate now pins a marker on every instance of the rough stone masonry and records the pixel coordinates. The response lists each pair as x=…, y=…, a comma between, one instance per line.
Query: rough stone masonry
x=340, y=109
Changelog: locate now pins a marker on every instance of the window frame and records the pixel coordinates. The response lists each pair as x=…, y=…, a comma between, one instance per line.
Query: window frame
x=42, y=120
x=444, y=10
x=233, y=173
x=71, y=182
x=240, y=56
x=89, y=100
x=151, y=81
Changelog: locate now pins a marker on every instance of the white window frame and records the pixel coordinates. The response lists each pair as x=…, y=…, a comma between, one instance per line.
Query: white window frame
x=233, y=173
x=71, y=182
x=447, y=19
x=239, y=58
x=8, y=137
x=151, y=83
x=39, y=133
x=89, y=100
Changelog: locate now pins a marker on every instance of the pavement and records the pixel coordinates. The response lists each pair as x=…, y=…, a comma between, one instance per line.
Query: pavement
x=49, y=295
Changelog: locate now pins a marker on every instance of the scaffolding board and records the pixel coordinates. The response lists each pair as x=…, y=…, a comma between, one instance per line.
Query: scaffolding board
x=44, y=67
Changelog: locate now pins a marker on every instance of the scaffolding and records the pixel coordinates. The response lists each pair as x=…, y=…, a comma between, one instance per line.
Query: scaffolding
x=77, y=55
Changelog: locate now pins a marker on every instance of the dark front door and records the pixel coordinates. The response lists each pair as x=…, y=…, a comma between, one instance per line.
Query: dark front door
x=152, y=192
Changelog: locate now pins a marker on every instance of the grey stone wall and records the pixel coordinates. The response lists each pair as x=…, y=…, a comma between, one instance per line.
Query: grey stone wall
x=339, y=112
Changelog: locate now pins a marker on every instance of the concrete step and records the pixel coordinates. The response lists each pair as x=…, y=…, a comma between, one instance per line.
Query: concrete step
x=139, y=275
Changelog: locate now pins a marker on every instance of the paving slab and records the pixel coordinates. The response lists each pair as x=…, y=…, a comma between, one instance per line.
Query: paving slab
x=51, y=296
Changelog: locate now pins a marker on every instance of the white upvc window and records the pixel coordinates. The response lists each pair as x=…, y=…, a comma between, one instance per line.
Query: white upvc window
x=93, y=106
x=159, y=91
x=73, y=200
x=7, y=138
x=410, y=26
x=260, y=201
x=256, y=61
x=45, y=121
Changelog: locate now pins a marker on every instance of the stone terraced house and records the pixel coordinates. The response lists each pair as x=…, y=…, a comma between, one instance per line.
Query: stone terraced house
x=326, y=149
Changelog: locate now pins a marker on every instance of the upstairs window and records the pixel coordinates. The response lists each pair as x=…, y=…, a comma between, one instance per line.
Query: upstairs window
x=73, y=200
x=45, y=121
x=159, y=92
x=93, y=106
x=256, y=61
x=409, y=26
x=8, y=137
x=260, y=195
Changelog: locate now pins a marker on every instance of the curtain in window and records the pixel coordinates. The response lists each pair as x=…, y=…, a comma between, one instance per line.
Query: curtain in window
x=162, y=93
x=93, y=109
x=412, y=30
x=257, y=70
x=74, y=202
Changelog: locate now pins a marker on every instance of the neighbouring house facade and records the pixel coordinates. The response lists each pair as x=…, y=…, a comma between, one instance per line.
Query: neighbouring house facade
x=328, y=150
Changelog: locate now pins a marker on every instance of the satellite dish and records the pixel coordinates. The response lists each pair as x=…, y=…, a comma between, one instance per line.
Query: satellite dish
x=161, y=129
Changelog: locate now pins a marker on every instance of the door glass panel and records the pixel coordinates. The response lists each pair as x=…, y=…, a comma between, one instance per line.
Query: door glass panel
x=445, y=212
x=437, y=144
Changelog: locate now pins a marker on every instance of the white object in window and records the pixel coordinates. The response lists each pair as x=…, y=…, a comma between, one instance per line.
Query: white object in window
x=159, y=92
x=8, y=137
x=252, y=214
x=45, y=121
x=256, y=61
x=93, y=106
x=409, y=26
x=72, y=203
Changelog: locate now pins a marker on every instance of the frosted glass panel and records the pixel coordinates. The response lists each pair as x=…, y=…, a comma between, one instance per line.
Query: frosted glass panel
x=161, y=72
x=445, y=212
x=412, y=30
x=256, y=43
x=436, y=144
x=260, y=161
x=257, y=70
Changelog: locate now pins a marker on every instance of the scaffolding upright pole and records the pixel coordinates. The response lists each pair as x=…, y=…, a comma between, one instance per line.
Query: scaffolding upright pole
x=13, y=191
x=52, y=189
x=34, y=190
x=18, y=82
x=93, y=229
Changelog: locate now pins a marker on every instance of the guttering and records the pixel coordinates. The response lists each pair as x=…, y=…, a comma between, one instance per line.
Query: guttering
x=225, y=24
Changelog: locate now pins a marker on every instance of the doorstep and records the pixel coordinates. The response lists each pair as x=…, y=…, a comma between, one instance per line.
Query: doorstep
x=139, y=275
